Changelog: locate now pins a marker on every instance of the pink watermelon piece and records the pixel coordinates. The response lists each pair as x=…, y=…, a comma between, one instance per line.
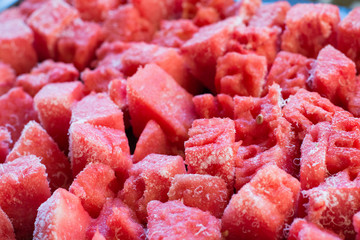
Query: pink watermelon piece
x=5, y=140
x=244, y=9
x=165, y=102
x=93, y=186
x=356, y=224
x=270, y=15
x=116, y=221
x=150, y=179
x=205, y=192
x=117, y=93
x=61, y=212
x=353, y=103
x=16, y=46
x=16, y=111
x=23, y=189
x=190, y=8
x=262, y=207
x=209, y=106
x=300, y=229
x=47, y=23
x=27, y=7
x=240, y=74
x=94, y=10
x=34, y=140
x=6, y=227
x=206, y=16
x=174, y=219
x=309, y=28
x=78, y=42
x=13, y=13
x=98, y=80
x=7, y=78
x=210, y=148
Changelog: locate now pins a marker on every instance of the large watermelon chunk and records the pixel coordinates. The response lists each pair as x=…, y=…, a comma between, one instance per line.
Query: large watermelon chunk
x=5, y=140
x=209, y=106
x=309, y=28
x=61, y=217
x=270, y=15
x=262, y=207
x=16, y=46
x=7, y=78
x=34, y=140
x=6, y=227
x=98, y=79
x=208, y=193
x=23, y=188
x=150, y=179
x=173, y=219
x=165, y=102
x=300, y=229
x=94, y=10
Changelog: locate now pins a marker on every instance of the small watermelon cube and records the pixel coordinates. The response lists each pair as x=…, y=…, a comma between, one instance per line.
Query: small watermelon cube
x=206, y=16
x=150, y=179
x=240, y=74
x=94, y=10
x=93, y=186
x=5, y=140
x=16, y=46
x=60, y=213
x=6, y=227
x=23, y=189
x=244, y=9
x=117, y=93
x=181, y=222
x=300, y=229
x=13, y=13
x=7, y=78
x=270, y=15
x=98, y=79
x=208, y=106
x=208, y=193
x=309, y=28
x=262, y=207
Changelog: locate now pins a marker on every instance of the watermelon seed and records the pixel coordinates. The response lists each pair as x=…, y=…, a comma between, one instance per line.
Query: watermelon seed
x=259, y=119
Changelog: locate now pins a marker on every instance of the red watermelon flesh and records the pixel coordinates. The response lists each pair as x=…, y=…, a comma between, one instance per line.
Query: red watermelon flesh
x=300, y=229
x=270, y=15
x=209, y=106
x=7, y=78
x=5, y=140
x=244, y=9
x=94, y=10
x=117, y=93
x=206, y=16
x=99, y=78
x=356, y=224
x=6, y=227
x=13, y=13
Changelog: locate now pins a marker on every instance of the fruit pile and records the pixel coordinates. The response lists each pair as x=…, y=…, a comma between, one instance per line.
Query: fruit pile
x=179, y=119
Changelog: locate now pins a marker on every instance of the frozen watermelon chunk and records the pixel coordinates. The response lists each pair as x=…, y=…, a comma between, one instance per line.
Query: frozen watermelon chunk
x=356, y=224
x=206, y=46
x=290, y=71
x=300, y=229
x=54, y=103
x=6, y=227
x=98, y=80
x=348, y=36
x=47, y=23
x=208, y=193
x=16, y=46
x=191, y=8
x=206, y=16
x=309, y=28
x=353, y=104
x=5, y=140
x=27, y=7
x=334, y=202
x=34, y=140
x=165, y=102
x=94, y=10
x=45, y=73
x=181, y=222
x=16, y=111
x=262, y=207
x=116, y=221
x=7, y=78
x=98, y=110
x=174, y=33
x=117, y=93
x=270, y=15
x=90, y=143
x=210, y=148
x=126, y=24
x=333, y=76
x=150, y=179
x=209, y=106
x=243, y=8
x=152, y=140
x=23, y=188
x=13, y=13
x=240, y=74
x=78, y=42
x=93, y=186
x=61, y=217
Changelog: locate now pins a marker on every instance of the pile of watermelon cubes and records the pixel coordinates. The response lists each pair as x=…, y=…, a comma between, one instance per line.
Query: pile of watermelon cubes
x=179, y=119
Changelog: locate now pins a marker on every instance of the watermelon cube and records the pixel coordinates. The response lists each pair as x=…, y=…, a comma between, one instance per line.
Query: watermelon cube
x=13, y=13
x=117, y=93
x=181, y=222
x=93, y=186
x=47, y=23
x=243, y=8
x=5, y=140
x=60, y=213
x=94, y=10
x=208, y=193
x=309, y=28
x=7, y=78
x=116, y=221
x=262, y=207
x=206, y=16
x=210, y=148
x=91, y=143
x=150, y=179
x=190, y=8
x=23, y=188
x=16, y=46
x=99, y=78
x=208, y=106
x=16, y=111
x=290, y=71
x=300, y=229
x=6, y=227
x=27, y=7
x=270, y=15
x=353, y=104
x=356, y=224
x=240, y=74
x=166, y=102
x=78, y=42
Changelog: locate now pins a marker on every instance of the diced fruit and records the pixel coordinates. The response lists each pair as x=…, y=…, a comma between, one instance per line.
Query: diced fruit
x=27, y=7
x=23, y=188
x=300, y=229
x=7, y=78
x=270, y=15
x=5, y=140
x=150, y=179
x=208, y=106
x=13, y=13
x=262, y=207
x=243, y=8
x=6, y=227
x=117, y=93
x=98, y=79
x=94, y=10
x=61, y=217
x=206, y=16
x=180, y=222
